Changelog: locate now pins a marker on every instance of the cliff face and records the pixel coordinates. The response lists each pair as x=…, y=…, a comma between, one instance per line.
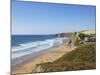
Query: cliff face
x=77, y=38
x=64, y=34
x=82, y=37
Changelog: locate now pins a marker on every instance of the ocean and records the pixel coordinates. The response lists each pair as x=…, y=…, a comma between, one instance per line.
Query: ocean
x=27, y=44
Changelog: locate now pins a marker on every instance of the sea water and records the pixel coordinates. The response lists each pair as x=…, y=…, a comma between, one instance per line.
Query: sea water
x=22, y=45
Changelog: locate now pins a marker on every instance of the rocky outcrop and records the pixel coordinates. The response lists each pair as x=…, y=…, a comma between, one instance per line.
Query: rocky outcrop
x=64, y=34
x=38, y=69
x=82, y=37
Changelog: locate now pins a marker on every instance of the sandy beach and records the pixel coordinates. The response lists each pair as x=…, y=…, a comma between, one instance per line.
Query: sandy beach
x=49, y=55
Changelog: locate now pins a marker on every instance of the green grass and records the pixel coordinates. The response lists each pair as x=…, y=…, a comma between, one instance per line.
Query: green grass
x=82, y=58
x=85, y=52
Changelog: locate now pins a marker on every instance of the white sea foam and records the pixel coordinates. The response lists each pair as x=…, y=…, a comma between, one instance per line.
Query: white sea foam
x=31, y=47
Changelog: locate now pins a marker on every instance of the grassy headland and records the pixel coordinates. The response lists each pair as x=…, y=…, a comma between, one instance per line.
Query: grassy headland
x=82, y=58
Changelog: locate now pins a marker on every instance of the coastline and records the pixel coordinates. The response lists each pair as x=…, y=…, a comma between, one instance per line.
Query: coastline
x=29, y=61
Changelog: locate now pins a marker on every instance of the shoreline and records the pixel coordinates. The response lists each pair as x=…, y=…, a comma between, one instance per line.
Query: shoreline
x=29, y=61
x=16, y=62
x=27, y=58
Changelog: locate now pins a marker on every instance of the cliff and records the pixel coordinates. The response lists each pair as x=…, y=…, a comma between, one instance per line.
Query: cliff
x=82, y=37
x=81, y=58
x=77, y=38
x=64, y=34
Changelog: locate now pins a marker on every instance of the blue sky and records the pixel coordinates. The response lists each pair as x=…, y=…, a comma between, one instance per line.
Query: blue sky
x=51, y=18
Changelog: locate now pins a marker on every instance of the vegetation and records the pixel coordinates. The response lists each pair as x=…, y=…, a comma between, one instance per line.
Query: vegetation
x=82, y=58
x=88, y=32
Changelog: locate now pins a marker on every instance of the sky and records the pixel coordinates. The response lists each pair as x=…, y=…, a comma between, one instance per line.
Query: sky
x=51, y=18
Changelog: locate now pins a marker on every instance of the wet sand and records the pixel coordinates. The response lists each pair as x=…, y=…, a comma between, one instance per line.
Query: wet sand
x=27, y=63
